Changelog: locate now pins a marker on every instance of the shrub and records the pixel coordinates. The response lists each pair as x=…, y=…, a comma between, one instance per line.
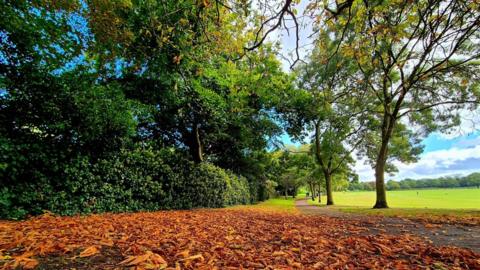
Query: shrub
x=238, y=191
x=133, y=180
x=203, y=186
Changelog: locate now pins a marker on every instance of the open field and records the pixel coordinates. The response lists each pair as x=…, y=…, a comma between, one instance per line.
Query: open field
x=434, y=205
x=418, y=198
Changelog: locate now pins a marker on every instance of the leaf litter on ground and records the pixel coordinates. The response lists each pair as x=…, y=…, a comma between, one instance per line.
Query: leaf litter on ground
x=221, y=239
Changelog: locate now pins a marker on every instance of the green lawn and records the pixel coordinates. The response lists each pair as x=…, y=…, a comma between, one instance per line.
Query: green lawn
x=435, y=205
x=421, y=198
x=277, y=204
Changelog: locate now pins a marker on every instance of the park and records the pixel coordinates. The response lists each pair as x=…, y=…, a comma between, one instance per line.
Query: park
x=232, y=134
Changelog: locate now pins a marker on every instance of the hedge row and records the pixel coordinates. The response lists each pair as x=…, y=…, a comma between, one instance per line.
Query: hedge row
x=135, y=180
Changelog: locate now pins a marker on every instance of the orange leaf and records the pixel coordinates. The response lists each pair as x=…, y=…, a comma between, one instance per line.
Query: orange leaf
x=194, y=257
x=279, y=253
x=90, y=251
x=27, y=263
x=148, y=260
x=183, y=254
x=106, y=242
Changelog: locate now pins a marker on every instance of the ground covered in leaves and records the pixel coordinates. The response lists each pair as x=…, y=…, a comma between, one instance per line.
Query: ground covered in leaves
x=215, y=239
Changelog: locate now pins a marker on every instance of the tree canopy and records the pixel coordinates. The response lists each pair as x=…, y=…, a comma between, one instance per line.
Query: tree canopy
x=131, y=105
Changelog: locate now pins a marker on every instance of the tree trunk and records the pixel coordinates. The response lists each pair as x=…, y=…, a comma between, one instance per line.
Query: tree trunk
x=328, y=184
x=326, y=168
x=196, y=148
x=381, y=161
x=286, y=192
x=380, y=185
x=312, y=189
x=319, y=193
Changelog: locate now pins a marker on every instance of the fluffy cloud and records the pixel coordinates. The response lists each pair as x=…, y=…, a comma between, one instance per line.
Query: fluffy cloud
x=453, y=161
x=364, y=171
x=443, y=162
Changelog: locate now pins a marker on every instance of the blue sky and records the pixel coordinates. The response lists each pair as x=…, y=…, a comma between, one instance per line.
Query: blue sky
x=444, y=155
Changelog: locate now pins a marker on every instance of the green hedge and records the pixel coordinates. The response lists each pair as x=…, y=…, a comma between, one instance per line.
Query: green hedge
x=139, y=179
x=238, y=191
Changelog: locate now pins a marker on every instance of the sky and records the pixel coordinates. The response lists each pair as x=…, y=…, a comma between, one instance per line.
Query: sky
x=455, y=153
x=443, y=155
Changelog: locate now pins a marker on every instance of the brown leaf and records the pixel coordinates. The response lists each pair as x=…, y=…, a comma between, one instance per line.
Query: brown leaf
x=90, y=251
x=197, y=240
x=279, y=253
x=194, y=257
x=149, y=260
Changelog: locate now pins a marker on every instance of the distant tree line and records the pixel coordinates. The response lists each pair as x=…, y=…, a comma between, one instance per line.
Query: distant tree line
x=472, y=180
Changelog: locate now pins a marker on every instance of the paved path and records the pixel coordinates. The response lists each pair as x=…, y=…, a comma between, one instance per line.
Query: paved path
x=439, y=235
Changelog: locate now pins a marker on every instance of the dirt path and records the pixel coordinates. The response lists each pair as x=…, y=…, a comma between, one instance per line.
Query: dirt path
x=439, y=235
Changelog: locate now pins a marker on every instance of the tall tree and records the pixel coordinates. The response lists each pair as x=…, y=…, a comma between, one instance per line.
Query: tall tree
x=177, y=57
x=323, y=108
x=418, y=61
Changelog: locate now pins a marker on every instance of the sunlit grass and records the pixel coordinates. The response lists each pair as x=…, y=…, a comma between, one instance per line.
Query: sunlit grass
x=468, y=198
x=427, y=203
x=277, y=204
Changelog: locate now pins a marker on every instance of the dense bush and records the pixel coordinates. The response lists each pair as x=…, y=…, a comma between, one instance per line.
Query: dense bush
x=138, y=179
x=238, y=191
x=203, y=185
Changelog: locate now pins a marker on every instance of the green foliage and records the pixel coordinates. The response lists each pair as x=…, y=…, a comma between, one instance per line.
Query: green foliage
x=126, y=106
x=204, y=186
x=133, y=180
x=292, y=168
x=238, y=190
x=7, y=207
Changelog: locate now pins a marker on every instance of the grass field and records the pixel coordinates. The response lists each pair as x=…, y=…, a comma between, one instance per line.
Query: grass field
x=276, y=204
x=436, y=205
x=420, y=198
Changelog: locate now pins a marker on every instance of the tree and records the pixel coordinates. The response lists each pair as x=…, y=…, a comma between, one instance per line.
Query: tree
x=293, y=168
x=473, y=179
x=393, y=185
x=89, y=85
x=418, y=61
x=200, y=99
x=320, y=107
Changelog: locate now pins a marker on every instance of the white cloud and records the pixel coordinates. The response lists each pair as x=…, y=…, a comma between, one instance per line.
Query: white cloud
x=442, y=162
x=364, y=171
x=453, y=161
x=470, y=122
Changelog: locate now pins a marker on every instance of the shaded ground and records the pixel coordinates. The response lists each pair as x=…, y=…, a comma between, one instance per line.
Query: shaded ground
x=437, y=234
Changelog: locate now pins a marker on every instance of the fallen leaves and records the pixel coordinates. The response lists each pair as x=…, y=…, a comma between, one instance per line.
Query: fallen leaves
x=432, y=226
x=24, y=261
x=433, y=219
x=221, y=239
x=90, y=251
x=149, y=260
x=466, y=220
